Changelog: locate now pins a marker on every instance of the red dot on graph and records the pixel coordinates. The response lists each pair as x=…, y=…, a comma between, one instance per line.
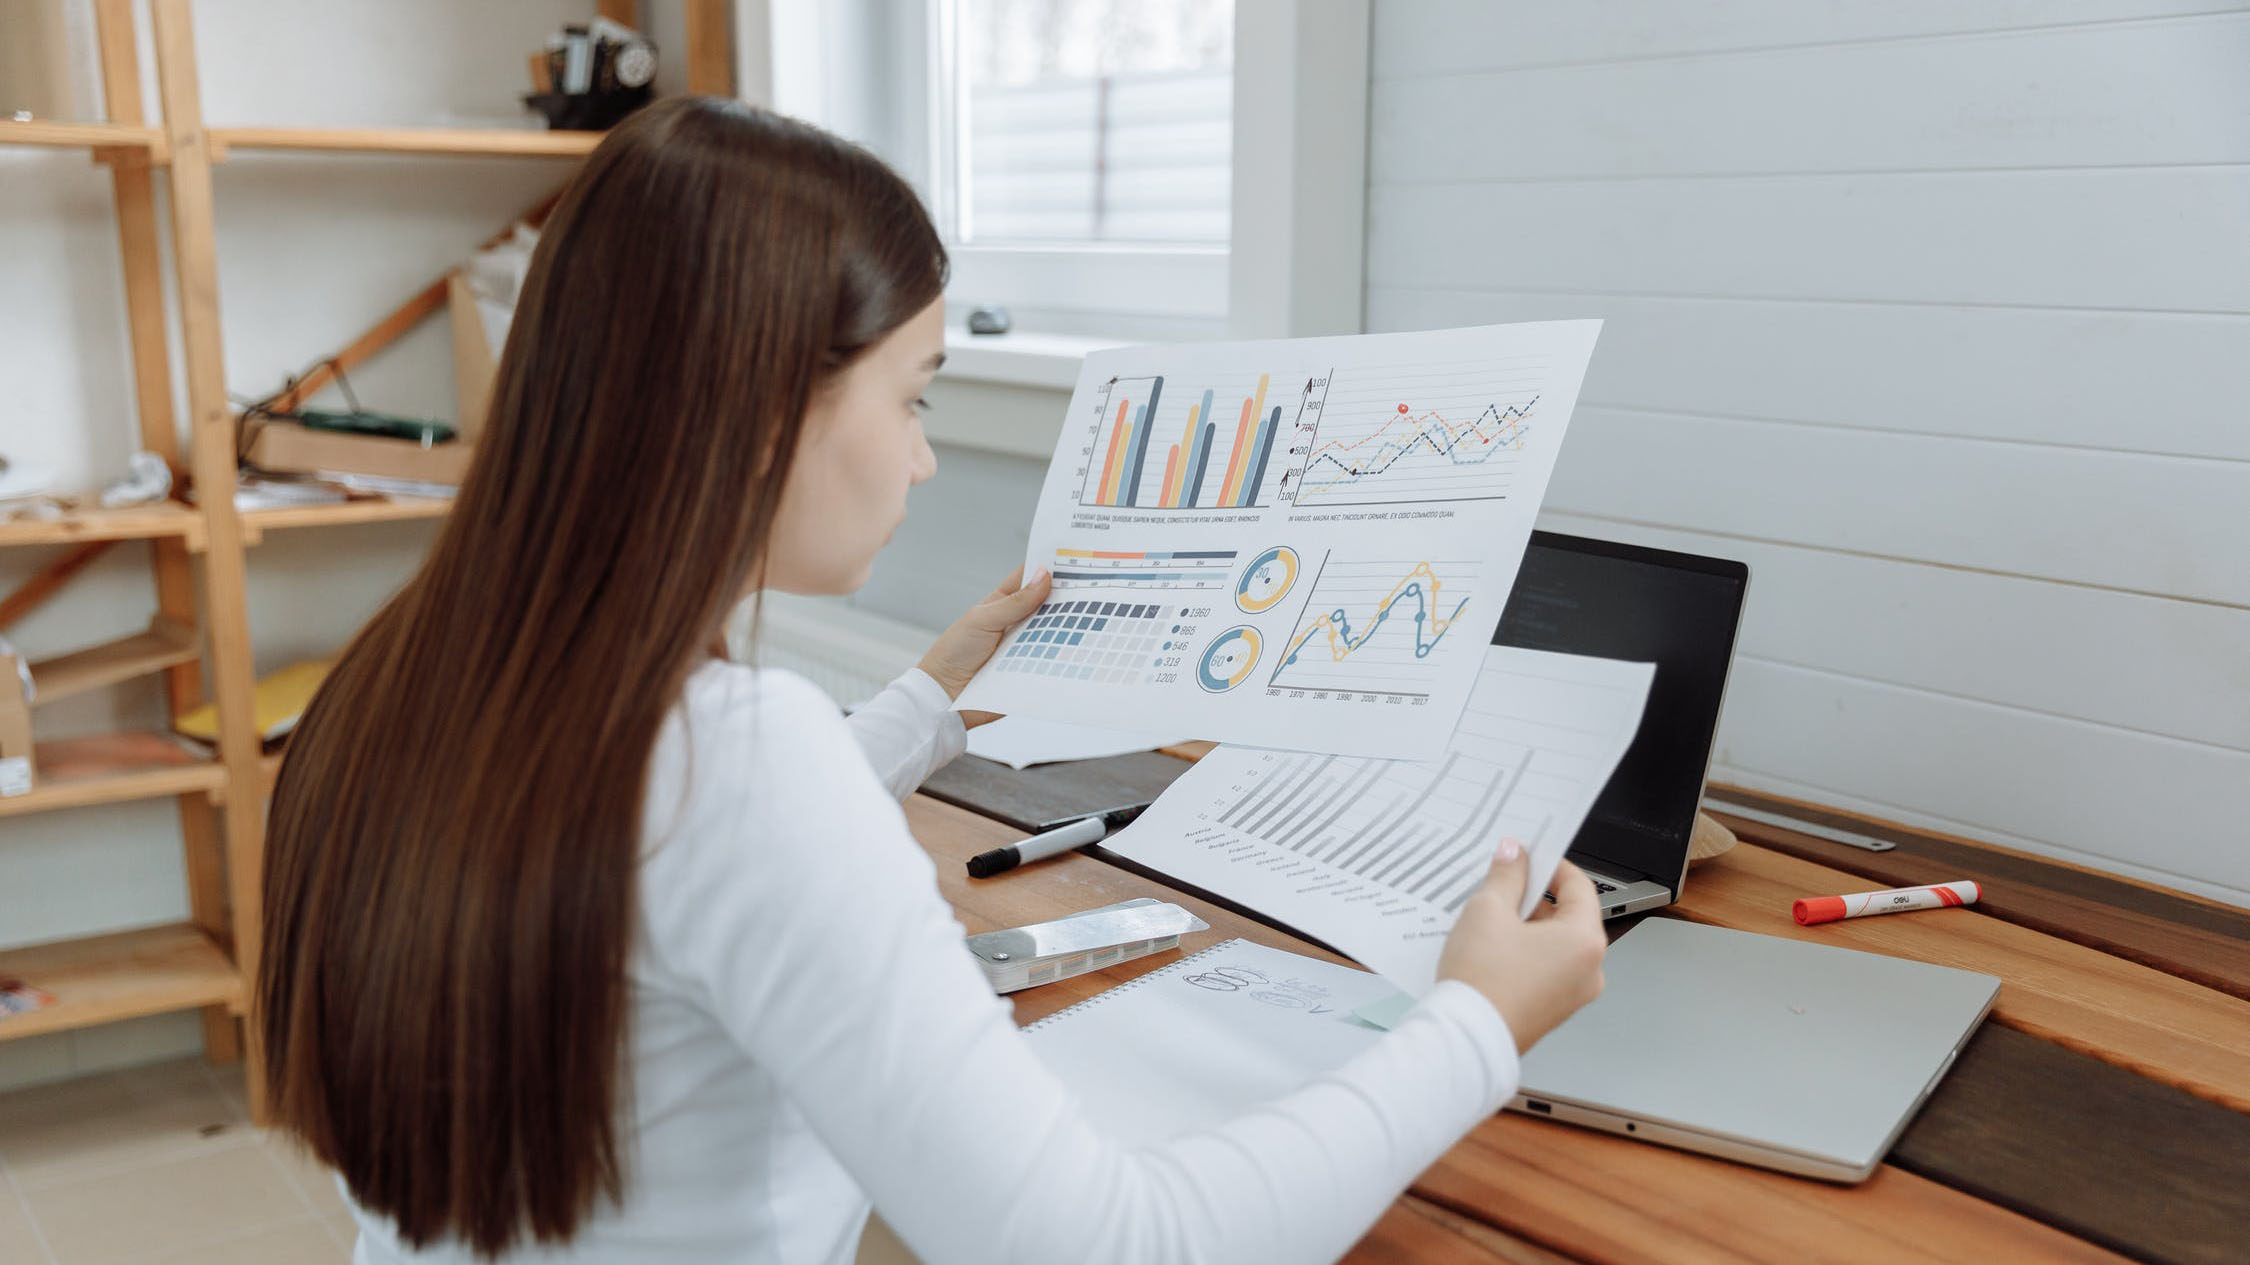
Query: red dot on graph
x=1402, y=408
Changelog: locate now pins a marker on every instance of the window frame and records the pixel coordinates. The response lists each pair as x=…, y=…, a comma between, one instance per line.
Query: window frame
x=1294, y=264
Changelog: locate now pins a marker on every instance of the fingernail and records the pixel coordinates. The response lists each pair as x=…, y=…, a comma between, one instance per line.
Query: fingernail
x=1036, y=577
x=1510, y=849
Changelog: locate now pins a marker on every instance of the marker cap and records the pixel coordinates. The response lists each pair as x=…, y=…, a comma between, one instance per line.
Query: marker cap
x=1814, y=909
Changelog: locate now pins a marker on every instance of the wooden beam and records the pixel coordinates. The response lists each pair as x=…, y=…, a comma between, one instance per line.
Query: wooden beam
x=211, y=458
x=710, y=47
x=395, y=324
x=138, y=243
x=622, y=12
x=34, y=592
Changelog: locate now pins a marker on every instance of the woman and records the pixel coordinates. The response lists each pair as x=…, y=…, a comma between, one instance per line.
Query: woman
x=584, y=944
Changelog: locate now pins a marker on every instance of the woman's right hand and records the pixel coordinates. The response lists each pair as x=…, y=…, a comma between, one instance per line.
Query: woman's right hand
x=1538, y=971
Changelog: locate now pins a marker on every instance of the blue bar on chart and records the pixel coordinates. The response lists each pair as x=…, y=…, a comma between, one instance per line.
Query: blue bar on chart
x=1265, y=449
x=1139, y=456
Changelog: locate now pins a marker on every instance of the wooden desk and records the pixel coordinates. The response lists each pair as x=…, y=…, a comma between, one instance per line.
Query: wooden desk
x=2030, y=1151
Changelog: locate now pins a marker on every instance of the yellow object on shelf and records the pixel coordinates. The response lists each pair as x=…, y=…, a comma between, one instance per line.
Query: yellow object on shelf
x=276, y=704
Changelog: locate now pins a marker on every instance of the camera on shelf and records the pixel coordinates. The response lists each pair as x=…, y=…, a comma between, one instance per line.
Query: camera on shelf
x=589, y=77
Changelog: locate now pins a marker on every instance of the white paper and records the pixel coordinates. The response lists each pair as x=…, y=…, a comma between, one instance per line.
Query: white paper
x=1376, y=857
x=1020, y=742
x=1207, y=1038
x=1302, y=544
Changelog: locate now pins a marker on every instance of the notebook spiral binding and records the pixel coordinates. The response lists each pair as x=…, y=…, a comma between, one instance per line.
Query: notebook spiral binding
x=1107, y=993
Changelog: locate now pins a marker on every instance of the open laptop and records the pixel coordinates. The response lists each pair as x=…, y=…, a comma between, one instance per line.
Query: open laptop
x=1678, y=611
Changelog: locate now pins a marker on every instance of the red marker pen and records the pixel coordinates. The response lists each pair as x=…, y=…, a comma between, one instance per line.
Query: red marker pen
x=1814, y=909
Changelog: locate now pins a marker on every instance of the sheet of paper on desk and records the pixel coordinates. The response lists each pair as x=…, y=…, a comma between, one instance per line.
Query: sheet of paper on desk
x=1020, y=742
x=1203, y=1040
x=1301, y=544
x=1375, y=856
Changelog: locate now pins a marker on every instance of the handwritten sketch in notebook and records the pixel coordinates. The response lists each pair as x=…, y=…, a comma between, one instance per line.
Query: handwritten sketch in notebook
x=1377, y=856
x=1207, y=1037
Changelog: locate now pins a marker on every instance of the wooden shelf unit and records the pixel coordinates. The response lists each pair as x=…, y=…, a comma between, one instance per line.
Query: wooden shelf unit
x=113, y=768
x=494, y=142
x=205, y=963
x=167, y=643
x=144, y=522
x=126, y=975
x=54, y=135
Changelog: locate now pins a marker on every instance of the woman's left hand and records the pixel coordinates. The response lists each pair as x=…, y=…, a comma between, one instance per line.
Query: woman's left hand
x=963, y=648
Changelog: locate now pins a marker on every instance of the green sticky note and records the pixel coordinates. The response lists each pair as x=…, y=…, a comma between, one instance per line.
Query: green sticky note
x=1386, y=1013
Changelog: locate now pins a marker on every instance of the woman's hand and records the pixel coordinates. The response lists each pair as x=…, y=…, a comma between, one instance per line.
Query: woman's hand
x=963, y=648
x=1538, y=971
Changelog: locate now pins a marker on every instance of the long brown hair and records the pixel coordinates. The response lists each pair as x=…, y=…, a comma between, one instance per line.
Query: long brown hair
x=452, y=846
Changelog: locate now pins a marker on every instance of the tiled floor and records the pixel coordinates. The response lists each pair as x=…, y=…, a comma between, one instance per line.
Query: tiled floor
x=158, y=1164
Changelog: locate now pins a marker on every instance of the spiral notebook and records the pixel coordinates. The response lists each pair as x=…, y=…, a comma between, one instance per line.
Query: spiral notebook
x=1206, y=1038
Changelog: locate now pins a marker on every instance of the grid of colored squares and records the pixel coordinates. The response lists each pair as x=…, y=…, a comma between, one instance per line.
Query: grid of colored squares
x=1088, y=640
x=1187, y=462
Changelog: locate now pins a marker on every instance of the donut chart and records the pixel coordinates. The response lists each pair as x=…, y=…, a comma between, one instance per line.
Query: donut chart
x=1267, y=580
x=1227, y=661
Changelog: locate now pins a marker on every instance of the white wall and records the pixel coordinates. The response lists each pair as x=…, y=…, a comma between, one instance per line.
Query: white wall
x=1936, y=313
x=311, y=250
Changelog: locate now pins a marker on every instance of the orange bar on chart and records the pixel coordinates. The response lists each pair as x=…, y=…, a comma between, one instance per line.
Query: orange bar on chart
x=1131, y=436
x=1186, y=449
x=1171, y=477
x=1256, y=417
x=1234, y=458
x=1102, y=493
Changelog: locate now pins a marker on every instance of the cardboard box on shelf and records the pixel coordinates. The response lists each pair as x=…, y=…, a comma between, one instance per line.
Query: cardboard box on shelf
x=288, y=448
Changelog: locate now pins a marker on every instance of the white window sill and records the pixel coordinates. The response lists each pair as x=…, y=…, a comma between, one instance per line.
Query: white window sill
x=1019, y=359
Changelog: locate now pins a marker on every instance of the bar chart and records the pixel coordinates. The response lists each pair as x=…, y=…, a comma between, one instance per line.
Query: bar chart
x=1371, y=626
x=1377, y=856
x=1430, y=433
x=1421, y=832
x=1145, y=457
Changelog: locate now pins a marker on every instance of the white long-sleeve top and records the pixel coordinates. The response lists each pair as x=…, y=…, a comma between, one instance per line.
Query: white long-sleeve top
x=809, y=1034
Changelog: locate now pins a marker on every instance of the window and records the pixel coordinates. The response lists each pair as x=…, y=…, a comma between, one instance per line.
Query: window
x=1079, y=158
x=1090, y=162
x=1082, y=121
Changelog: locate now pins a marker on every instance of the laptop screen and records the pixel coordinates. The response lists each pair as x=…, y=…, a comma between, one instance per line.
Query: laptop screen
x=1676, y=610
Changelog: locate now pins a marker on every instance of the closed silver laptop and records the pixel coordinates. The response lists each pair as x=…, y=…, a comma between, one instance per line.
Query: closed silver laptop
x=1800, y=1057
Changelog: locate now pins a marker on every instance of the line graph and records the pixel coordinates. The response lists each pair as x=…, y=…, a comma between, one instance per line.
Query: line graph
x=1446, y=432
x=1371, y=626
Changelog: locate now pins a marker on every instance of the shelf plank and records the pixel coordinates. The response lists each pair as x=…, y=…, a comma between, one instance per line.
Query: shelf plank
x=141, y=522
x=109, y=769
x=467, y=142
x=166, y=643
x=368, y=510
x=255, y=523
x=100, y=979
x=51, y=134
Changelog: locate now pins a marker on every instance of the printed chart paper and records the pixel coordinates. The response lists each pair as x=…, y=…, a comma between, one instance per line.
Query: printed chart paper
x=1376, y=857
x=1302, y=544
x=1020, y=742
